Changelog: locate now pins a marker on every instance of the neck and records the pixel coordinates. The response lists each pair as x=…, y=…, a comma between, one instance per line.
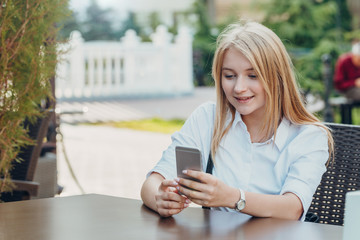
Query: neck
x=254, y=127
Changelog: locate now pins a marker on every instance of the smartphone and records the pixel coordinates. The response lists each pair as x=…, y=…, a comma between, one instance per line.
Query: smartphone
x=187, y=159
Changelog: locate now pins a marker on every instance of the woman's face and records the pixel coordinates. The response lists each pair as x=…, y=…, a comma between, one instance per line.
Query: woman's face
x=242, y=87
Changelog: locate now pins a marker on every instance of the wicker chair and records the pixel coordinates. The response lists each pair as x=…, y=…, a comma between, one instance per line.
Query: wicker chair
x=342, y=176
x=22, y=174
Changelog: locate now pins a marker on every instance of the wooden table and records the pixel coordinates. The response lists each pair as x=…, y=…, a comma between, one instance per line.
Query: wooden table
x=104, y=217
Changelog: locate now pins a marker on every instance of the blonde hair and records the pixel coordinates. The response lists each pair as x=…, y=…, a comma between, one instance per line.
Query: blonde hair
x=273, y=67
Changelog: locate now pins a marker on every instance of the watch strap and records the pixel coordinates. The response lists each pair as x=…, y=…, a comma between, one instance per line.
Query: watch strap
x=242, y=194
x=241, y=201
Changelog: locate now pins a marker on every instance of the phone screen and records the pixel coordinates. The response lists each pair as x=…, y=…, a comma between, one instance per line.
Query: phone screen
x=187, y=159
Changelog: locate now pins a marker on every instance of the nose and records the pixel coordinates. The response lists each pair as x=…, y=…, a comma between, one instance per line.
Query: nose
x=241, y=84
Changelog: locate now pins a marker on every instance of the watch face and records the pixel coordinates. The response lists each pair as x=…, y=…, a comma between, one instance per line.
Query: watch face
x=241, y=205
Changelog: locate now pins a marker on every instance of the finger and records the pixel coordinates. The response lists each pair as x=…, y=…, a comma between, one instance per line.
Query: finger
x=200, y=198
x=173, y=205
x=189, y=184
x=190, y=193
x=169, y=212
x=166, y=208
x=203, y=177
x=168, y=183
x=173, y=196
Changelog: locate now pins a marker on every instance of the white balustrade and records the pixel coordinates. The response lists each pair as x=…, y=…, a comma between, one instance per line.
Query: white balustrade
x=128, y=68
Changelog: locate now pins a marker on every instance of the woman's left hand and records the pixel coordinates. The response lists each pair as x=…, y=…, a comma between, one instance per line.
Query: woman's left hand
x=209, y=192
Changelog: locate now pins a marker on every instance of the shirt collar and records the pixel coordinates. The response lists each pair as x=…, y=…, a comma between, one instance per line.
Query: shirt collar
x=238, y=120
x=282, y=134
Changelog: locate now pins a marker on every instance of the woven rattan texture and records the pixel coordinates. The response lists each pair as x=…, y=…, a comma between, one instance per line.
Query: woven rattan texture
x=342, y=176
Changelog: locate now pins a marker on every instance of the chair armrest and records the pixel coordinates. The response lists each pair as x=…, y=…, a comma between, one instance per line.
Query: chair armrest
x=28, y=186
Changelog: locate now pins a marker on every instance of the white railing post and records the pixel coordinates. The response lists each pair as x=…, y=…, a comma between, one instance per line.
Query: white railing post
x=161, y=40
x=76, y=65
x=70, y=69
x=130, y=41
x=184, y=73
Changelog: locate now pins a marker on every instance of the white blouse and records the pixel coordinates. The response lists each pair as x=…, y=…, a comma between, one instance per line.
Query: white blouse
x=294, y=163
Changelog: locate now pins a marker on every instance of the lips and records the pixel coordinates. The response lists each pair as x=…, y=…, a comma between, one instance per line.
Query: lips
x=244, y=98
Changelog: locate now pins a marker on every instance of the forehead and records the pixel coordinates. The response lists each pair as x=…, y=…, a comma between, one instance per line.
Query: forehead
x=235, y=60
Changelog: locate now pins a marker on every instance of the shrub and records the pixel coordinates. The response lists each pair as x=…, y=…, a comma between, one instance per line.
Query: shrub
x=27, y=62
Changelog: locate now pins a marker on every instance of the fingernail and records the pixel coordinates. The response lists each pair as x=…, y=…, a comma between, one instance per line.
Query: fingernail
x=178, y=188
x=177, y=180
x=184, y=171
x=187, y=201
x=186, y=205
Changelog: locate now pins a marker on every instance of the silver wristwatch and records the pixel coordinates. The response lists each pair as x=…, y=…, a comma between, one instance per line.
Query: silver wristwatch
x=240, y=205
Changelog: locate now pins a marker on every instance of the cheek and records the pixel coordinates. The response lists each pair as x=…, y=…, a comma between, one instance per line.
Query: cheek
x=257, y=87
x=260, y=91
x=226, y=86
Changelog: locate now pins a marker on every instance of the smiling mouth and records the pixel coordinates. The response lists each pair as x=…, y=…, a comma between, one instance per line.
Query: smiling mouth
x=243, y=99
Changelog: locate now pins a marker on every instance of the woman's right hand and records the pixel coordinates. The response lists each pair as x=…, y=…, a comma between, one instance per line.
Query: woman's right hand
x=168, y=201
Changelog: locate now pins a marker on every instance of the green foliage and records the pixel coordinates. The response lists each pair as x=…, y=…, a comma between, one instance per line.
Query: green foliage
x=27, y=61
x=97, y=25
x=317, y=26
x=154, y=20
x=69, y=24
x=129, y=23
x=203, y=46
x=353, y=35
x=301, y=23
x=310, y=66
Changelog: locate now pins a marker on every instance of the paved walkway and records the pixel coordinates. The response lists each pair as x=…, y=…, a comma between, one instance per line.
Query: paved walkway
x=115, y=161
x=118, y=110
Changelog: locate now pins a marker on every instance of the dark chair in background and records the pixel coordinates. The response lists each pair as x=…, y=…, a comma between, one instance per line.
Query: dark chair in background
x=22, y=174
x=342, y=176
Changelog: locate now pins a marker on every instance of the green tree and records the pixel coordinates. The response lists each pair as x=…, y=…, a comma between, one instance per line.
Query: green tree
x=309, y=28
x=69, y=24
x=203, y=45
x=28, y=57
x=154, y=20
x=129, y=23
x=97, y=25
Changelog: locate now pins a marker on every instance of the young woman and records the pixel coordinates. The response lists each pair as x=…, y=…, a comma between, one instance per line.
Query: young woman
x=269, y=151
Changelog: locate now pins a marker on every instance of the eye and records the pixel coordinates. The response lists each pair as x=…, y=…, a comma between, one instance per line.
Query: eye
x=229, y=76
x=252, y=76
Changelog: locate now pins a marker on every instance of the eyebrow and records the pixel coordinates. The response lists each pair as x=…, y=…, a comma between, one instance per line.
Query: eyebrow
x=230, y=69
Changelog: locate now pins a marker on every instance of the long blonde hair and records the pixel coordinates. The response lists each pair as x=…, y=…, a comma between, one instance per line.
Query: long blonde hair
x=273, y=67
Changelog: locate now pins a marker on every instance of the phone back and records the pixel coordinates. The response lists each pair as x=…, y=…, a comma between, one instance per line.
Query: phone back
x=187, y=158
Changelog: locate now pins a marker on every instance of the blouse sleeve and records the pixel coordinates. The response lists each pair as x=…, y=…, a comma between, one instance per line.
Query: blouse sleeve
x=309, y=154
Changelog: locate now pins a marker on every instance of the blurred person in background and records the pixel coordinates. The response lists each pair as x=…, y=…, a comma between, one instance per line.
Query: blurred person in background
x=347, y=73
